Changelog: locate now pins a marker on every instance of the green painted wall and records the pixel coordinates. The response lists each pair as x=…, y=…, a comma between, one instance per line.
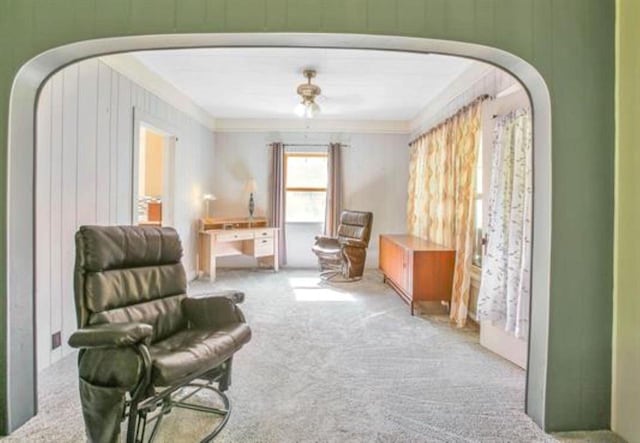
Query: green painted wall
x=571, y=42
x=625, y=417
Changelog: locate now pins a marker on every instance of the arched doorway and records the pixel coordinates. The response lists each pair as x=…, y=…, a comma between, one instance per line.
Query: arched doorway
x=21, y=382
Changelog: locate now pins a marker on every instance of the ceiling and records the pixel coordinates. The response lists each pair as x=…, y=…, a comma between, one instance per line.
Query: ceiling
x=241, y=83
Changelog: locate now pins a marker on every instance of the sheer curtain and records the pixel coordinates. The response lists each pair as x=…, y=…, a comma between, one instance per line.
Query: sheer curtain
x=505, y=287
x=334, y=190
x=441, y=194
x=278, y=198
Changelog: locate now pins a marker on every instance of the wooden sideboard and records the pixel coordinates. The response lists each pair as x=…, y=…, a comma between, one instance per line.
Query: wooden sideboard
x=417, y=269
x=228, y=237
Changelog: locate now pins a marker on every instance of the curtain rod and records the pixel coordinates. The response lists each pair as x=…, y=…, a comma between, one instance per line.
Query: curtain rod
x=316, y=145
x=456, y=114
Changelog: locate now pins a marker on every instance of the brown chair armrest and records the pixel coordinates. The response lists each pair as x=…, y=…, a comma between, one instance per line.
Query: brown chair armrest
x=324, y=241
x=111, y=335
x=353, y=243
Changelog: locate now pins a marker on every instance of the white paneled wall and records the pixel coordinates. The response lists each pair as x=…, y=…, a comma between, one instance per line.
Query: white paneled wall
x=84, y=173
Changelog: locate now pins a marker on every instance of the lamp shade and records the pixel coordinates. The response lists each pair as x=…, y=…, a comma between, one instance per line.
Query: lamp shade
x=300, y=110
x=251, y=186
x=307, y=109
x=209, y=197
x=312, y=110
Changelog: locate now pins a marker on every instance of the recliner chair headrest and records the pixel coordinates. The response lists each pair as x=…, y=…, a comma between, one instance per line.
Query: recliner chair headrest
x=117, y=247
x=356, y=218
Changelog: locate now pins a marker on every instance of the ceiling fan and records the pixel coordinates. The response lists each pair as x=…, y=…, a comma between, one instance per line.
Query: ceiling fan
x=308, y=92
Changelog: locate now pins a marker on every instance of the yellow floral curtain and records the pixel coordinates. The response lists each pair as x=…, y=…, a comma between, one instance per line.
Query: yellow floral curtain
x=441, y=193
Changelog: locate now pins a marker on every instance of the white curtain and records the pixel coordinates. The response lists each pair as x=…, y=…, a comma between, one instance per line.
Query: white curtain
x=505, y=285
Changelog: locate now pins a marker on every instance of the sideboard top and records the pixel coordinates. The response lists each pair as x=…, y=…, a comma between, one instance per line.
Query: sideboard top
x=415, y=243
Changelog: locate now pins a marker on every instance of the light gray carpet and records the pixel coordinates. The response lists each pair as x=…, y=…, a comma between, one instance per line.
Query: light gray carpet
x=337, y=363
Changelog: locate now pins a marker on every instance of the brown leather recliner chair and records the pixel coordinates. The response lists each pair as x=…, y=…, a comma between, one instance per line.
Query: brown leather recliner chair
x=141, y=338
x=345, y=254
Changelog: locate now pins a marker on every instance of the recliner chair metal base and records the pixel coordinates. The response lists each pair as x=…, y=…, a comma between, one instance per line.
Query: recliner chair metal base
x=152, y=410
x=330, y=274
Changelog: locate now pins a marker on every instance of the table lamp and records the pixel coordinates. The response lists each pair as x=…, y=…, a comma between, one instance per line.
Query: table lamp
x=208, y=198
x=251, y=188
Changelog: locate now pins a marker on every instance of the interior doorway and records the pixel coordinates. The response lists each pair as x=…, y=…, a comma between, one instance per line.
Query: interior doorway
x=153, y=177
x=539, y=97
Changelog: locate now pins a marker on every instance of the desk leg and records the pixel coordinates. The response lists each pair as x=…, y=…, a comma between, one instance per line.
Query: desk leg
x=212, y=257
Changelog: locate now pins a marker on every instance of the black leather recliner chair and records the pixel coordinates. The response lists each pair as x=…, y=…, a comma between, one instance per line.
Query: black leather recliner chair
x=141, y=338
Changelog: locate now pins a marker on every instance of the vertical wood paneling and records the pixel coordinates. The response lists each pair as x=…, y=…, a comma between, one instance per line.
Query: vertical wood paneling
x=113, y=151
x=191, y=14
x=124, y=153
x=55, y=209
x=69, y=195
x=43, y=229
x=626, y=335
x=434, y=17
x=84, y=173
x=87, y=124
x=103, y=144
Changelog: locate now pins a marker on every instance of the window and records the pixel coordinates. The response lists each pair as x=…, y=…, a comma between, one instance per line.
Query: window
x=306, y=187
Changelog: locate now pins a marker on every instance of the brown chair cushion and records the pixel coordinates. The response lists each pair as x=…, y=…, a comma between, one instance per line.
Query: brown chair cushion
x=189, y=352
x=355, y=225
x=327, y=246
x=165, y=315
x=123, y=287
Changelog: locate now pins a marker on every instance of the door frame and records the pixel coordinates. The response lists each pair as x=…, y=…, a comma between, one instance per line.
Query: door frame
x=143, y=118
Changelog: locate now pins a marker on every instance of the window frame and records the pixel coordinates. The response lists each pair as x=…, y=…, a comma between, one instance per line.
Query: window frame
x=483, y=174
x=324, y=189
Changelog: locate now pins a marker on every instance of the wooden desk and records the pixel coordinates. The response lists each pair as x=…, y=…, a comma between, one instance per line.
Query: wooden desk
x=417, y=269
x=258, y=242
x=207, y=224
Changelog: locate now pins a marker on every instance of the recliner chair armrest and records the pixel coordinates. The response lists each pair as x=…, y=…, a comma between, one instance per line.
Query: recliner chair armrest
x=352, y=242
x=236, y=297
x=217, y=309
x=111, y=335
x=323, y=240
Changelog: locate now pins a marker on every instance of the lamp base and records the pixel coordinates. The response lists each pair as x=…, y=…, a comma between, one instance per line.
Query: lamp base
x=252, y=206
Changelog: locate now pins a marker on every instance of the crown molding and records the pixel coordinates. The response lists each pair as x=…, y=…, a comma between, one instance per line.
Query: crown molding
x=462, y=84
x=312, y=125
x=129, y=66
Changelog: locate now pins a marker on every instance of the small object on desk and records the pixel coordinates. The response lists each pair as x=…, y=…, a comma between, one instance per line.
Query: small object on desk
x=417, y=269
x=246, y=237
x=251, y=188
x=154, y=211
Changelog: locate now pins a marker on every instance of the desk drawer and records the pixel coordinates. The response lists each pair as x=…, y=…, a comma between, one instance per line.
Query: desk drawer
x=263, y=247
x=234, y=235
x=264, y=233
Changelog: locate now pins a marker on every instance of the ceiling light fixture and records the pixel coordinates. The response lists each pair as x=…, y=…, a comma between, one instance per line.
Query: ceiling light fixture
x=308, y=108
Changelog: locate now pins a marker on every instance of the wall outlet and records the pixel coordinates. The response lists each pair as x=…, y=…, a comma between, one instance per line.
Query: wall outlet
x=56, y=340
